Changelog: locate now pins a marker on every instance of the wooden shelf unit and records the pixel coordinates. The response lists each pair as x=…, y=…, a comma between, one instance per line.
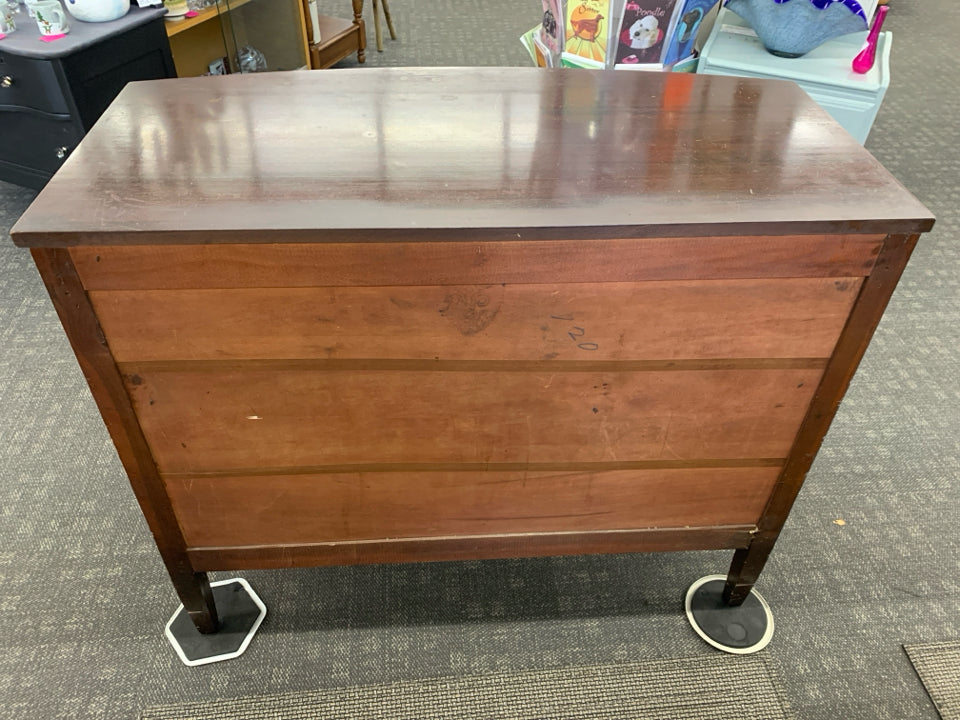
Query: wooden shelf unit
x=195, y=42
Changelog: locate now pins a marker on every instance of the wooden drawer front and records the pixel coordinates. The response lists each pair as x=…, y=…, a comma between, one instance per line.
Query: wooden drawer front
x=471, y=263
x=794, y=318
x=33, y=83
x=288, y=417
x=290, y=509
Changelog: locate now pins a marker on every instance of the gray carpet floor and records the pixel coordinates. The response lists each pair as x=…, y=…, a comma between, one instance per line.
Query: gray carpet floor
x=683, y=689
x=938, y=665
x=84, y=597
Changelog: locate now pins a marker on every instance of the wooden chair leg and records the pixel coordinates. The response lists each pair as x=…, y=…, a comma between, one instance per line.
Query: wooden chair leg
x=376, y=25
x=386, y=14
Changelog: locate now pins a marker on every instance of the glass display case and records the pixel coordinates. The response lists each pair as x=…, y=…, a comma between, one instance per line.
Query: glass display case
x=229, y=36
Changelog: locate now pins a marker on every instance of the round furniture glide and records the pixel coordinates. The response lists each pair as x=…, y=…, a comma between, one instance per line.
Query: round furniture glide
x=740, y=629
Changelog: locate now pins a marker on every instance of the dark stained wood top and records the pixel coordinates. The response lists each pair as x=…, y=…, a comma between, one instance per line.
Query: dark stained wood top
x=494, y=153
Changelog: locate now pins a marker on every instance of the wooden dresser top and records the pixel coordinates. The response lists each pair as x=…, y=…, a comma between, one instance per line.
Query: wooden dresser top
x=488, y=153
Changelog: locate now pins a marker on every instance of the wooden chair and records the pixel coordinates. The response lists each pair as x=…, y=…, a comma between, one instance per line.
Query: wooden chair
x=336, y=38
x=376, y=22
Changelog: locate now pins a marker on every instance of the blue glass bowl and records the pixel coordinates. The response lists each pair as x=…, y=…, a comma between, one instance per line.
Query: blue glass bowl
x=792, y=28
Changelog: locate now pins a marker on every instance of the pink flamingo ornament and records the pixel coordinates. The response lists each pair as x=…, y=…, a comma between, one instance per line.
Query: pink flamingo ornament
x=866, y=57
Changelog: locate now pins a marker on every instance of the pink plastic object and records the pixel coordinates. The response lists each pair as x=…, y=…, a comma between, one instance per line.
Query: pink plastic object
x=866, y=57
x=191, y=13
x=51, y=38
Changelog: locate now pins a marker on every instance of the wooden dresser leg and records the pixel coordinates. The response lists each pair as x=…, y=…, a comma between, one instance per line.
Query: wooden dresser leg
x=746, y=568
x=197, y=598
x=726, y=611
x=358, y=21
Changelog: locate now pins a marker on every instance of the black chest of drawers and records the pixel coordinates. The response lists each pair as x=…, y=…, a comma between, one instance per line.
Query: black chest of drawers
x=51, y=94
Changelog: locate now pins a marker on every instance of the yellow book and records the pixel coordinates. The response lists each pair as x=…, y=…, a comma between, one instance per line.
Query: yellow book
x=587, y=32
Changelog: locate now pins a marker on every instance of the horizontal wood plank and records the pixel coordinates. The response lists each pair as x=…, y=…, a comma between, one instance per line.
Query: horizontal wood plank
x=474, y=263
x=196, y=421
x=469, y=548
x=784, y=318
x=524, y=467
x=292, y=509
x=514, y=366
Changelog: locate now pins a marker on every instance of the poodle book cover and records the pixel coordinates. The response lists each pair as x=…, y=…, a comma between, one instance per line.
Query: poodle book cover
x=586, y=33
x=645, y=26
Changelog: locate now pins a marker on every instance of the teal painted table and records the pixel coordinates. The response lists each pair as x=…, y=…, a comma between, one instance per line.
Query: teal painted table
x=852, y=99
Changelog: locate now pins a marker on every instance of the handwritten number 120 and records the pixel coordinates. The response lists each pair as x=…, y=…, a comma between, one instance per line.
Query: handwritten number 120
x=576, y=333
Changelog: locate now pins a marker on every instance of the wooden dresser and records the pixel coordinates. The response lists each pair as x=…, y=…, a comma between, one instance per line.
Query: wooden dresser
x=405, y=315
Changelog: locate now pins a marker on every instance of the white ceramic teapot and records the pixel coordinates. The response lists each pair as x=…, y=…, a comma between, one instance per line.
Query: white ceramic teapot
x=97, y=10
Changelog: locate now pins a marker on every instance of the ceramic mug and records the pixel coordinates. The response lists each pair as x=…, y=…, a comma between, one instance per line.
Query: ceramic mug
x=7, y=22
x=50, y=16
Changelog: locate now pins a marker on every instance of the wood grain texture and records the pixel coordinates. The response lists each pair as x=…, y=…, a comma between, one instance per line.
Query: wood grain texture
x=862, y=323
x=100, y=370
x=469, y=548
x=610, y=321
x=285, y=510
x=864, y=318
x=454, y=262
x=411, y=153
x=196, y=421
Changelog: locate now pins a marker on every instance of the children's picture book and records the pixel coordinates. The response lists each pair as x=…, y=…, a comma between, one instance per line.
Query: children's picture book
x=690, y=14
x=646, y=24
x=551, y=29
x=530, y=41
x=549, y=57
x=586, y=33
x=572, y=61
x=687, y=65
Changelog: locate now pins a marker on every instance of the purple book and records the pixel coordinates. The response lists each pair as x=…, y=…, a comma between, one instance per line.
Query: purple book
x=643, y=30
